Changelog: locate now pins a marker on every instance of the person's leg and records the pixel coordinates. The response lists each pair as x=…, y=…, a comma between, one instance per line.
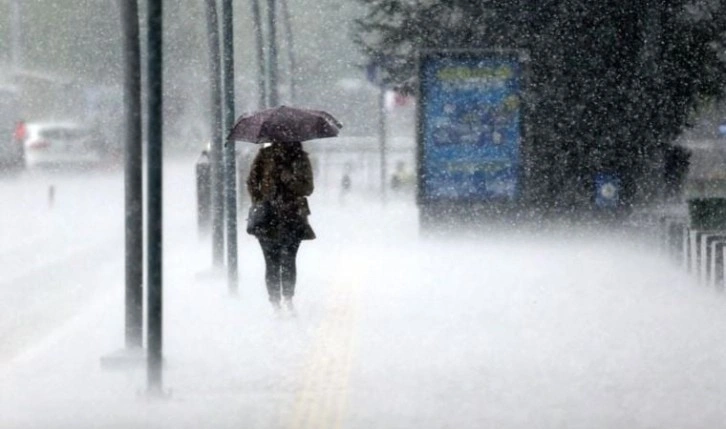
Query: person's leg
x=272, y=253
x=288, y=255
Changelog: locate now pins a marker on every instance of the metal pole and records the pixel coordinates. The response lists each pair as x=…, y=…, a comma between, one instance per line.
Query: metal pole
x=272, y=53
x=260, y=48
x=133, y=177
x=16, y=36
x=287, y=22
x=653, y=161
x=216, y=155
x=382, y=138
x=154, y=202
x=229, y=152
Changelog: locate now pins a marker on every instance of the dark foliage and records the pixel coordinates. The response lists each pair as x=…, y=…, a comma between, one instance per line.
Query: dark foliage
x=612, y=82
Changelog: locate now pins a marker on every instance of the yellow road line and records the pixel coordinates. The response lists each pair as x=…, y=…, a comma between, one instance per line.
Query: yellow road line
x=322, y=400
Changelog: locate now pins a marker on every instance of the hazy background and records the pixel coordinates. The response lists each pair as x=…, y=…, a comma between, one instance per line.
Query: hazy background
x=537, y=328
x=75, y=47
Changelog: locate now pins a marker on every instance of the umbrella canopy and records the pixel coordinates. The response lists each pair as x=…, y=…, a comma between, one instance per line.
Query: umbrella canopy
x=284, y=124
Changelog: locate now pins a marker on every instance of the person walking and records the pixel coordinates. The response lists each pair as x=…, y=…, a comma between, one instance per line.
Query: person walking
x=281, y=175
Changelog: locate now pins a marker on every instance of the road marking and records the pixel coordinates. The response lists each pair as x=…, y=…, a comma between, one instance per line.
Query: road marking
x=323, y=399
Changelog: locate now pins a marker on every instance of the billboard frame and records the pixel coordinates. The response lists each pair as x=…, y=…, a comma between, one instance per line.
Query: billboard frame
x=428, y=204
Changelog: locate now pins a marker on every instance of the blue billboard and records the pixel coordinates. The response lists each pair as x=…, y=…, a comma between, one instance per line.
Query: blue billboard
x=470, y=126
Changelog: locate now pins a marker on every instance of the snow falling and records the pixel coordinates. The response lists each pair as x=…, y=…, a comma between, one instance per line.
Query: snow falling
x=546, y=320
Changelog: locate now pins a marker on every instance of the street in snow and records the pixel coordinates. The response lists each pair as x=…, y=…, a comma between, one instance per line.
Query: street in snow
x=514, y=330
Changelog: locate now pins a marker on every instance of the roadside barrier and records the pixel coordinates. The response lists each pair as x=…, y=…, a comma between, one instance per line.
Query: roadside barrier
x=697, y=243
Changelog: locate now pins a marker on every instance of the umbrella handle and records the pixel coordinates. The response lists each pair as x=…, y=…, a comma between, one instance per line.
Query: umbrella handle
x=228, y=139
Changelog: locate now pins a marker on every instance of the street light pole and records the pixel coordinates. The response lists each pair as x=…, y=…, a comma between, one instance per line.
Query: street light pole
x=133, y=177
x=229, y=149
x=217, y=145
x=382, y=138
x=260, y=49
x=290, y=48
x=272, y=53
x=154, y=203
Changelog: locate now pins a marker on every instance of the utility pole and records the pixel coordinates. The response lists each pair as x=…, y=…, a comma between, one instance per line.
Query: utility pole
x=154, y=202
x=260, y=50
x=229, y=147
x=133, y=177
x=272, y=53
x=382, y=138
x=216, y=155
x=133, y=352
x=287, y=22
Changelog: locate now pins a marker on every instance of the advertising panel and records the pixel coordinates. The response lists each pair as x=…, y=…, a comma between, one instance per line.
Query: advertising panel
x=470, y=131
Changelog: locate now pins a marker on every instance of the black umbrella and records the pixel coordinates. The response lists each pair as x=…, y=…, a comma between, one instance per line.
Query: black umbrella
x=284, y=124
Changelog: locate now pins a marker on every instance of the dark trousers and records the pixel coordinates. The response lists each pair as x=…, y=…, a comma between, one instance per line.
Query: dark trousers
x=280, y=267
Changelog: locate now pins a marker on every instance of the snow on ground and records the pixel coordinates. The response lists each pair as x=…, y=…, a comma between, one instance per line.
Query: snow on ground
x=393, y=330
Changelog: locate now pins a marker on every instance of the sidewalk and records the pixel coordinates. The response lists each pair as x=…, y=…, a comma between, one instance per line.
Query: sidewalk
x=396, y=331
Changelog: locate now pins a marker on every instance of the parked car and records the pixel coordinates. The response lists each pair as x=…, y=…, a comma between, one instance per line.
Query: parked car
x=62, y=144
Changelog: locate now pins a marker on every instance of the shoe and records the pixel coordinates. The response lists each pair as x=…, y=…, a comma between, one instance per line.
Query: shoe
x=276, y=307
x=289, y=307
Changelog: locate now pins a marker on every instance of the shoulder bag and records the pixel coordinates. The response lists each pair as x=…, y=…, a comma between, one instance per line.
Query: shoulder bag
x=260, y=218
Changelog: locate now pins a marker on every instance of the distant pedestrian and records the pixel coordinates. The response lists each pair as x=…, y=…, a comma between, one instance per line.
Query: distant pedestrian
x=281, y=176
x=401, y=178
x=346, y=182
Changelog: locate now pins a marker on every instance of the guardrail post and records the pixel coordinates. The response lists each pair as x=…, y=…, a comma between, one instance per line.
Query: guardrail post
x=718, y=278
x=697, y=254
x=686, y=246
x=714, y=261
x=704, y=248
x=711, y=243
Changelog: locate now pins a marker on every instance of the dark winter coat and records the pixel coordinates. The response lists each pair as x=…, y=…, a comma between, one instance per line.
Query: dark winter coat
x=282, y=174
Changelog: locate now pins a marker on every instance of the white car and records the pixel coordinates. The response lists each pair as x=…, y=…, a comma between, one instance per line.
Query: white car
x=61, y=144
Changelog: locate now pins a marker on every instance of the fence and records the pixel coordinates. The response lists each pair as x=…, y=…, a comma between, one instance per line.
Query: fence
x=697, y=241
